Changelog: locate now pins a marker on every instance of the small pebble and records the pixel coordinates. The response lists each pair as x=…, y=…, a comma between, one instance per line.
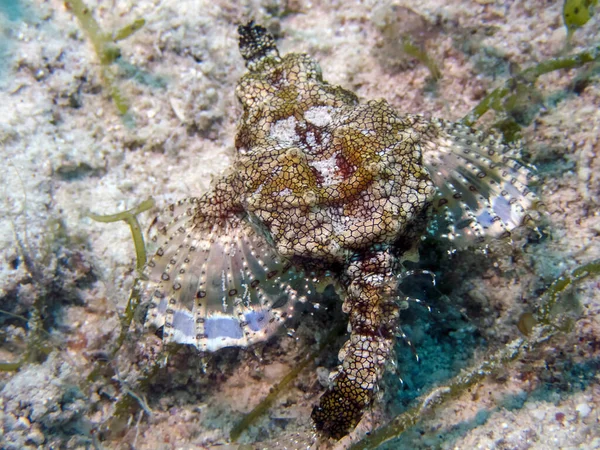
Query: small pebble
x=36, y=436
x=538, y=414
x=583, y=409
x=23, y=423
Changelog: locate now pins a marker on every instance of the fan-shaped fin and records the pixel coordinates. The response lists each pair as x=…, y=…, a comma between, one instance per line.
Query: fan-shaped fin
x=482, y=191
x=218, y=282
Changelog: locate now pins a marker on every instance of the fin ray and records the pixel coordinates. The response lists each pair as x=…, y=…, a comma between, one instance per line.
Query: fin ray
x=482, y=191
x=218, y=282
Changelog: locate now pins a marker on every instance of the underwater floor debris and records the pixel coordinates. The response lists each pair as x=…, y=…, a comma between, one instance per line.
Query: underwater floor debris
x=57, y=119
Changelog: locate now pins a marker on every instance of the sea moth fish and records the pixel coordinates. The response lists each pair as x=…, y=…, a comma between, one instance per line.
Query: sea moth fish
x=322, y=182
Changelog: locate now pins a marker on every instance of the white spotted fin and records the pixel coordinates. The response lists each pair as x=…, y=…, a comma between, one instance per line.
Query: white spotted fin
x=483, y=192
x=217, y=282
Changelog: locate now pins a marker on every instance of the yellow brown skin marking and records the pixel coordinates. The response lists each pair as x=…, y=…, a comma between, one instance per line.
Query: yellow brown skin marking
x=372, y=190
x=322, y=181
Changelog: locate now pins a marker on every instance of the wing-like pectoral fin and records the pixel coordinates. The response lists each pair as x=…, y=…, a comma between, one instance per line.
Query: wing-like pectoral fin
x=217, y=281
x=482, y=190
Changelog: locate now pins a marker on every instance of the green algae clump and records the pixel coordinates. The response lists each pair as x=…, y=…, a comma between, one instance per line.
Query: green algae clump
x=105, y=48
x=576, y=13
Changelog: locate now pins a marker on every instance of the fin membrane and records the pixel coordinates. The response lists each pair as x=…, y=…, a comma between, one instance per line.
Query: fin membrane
x=218, y=282
x=483, y=192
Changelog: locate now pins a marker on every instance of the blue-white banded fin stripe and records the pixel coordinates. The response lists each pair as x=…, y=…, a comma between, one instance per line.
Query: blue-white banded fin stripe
x=218, y=283
x=482, y=191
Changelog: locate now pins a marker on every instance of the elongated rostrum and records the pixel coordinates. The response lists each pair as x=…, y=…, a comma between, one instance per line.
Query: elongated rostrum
x=322, y=182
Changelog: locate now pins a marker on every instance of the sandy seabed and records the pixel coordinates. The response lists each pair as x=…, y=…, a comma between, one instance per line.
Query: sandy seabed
x=66, y=152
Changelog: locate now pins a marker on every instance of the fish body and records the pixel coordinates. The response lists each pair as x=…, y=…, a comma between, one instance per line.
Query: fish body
x=323, y=180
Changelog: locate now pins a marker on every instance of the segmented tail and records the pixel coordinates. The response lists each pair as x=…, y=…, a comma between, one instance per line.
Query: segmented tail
x=373, y=320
